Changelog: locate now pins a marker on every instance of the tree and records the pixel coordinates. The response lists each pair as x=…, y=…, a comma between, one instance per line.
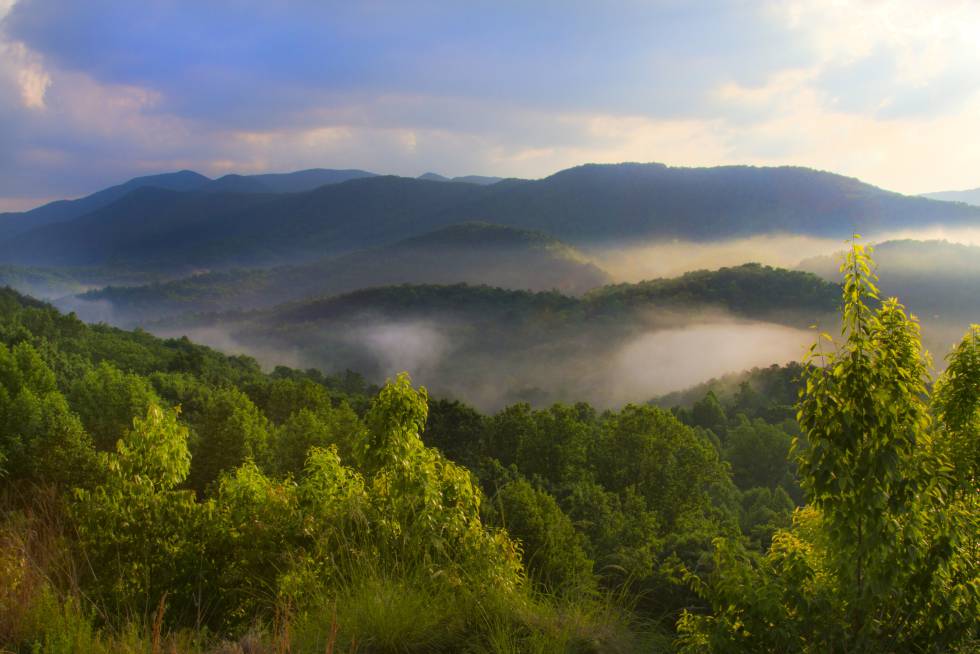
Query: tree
x=553, y=551
x=40, y=438
x=107, y=400
x=306, y=429
x=138, y=532
x=230, y=430
x=881, y=559
x=759, y=454
x=710, y=414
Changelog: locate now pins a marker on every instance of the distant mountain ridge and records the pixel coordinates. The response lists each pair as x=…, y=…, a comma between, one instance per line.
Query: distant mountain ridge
x=481, y=180
x=185, y=180
x=587, y=205
x=971, y=196
x=12, y=223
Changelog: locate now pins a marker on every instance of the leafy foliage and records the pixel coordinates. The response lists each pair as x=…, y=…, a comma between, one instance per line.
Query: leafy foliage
x=883, y=558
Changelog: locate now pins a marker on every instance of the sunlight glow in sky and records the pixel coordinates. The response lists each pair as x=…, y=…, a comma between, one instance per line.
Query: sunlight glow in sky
x=92, y=93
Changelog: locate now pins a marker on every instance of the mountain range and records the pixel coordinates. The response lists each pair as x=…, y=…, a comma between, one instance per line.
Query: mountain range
x=189, y=220
x=185, y=180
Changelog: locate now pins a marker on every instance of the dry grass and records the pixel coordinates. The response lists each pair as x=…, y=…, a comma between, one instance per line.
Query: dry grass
x=34, y=560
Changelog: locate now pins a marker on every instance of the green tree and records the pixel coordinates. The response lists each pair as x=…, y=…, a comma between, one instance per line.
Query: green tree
x=759, y=454
x=306, y=429
x=710, y=414
x=230, y=430
x=107, y=399
x=426, y=509
x=139, y=534
x=553, y=552
x=40, y=438
x=881, y=559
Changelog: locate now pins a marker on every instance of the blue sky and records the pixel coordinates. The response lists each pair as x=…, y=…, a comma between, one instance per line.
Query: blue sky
x=95, y=92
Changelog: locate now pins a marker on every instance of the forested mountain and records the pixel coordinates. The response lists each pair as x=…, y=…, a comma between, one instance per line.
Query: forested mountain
x=492, y=346
x=587, y=205
x=185, y=180
x=971, y=196
x=749, y=290
x=474, y=253
x=62, y=210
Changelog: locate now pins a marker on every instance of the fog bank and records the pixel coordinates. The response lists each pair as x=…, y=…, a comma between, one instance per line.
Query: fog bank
x=632, y=262
x=674, y=359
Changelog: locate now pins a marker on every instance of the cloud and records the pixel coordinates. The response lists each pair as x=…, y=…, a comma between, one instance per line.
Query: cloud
x=92, y=93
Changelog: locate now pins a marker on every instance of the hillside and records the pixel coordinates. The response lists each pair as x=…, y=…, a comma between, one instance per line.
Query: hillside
x=750, y=290
x=584, y=206
x=184, y=180
x=971, y=196
x=62, y=210
x=474, y=253
x=263, y=484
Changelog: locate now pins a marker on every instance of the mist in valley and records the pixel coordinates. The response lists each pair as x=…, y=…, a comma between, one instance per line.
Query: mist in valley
x=634, y=262
x=660, y=362
x=607, y=365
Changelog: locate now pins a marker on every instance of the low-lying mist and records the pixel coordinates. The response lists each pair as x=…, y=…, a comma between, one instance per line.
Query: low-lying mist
x=603, y=366
x=418, y=347
x=633, y=262
x=603, y=369
x=660, y=362
x=494, y=351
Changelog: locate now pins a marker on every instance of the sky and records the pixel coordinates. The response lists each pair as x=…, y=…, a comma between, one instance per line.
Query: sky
x=93, y=93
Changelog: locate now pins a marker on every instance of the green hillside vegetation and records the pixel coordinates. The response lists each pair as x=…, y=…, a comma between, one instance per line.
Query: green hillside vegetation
x=474, y=253
x=775, y=387
x=160, y=496
x=750, y=290
x=883, y=555
x=585, y=206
